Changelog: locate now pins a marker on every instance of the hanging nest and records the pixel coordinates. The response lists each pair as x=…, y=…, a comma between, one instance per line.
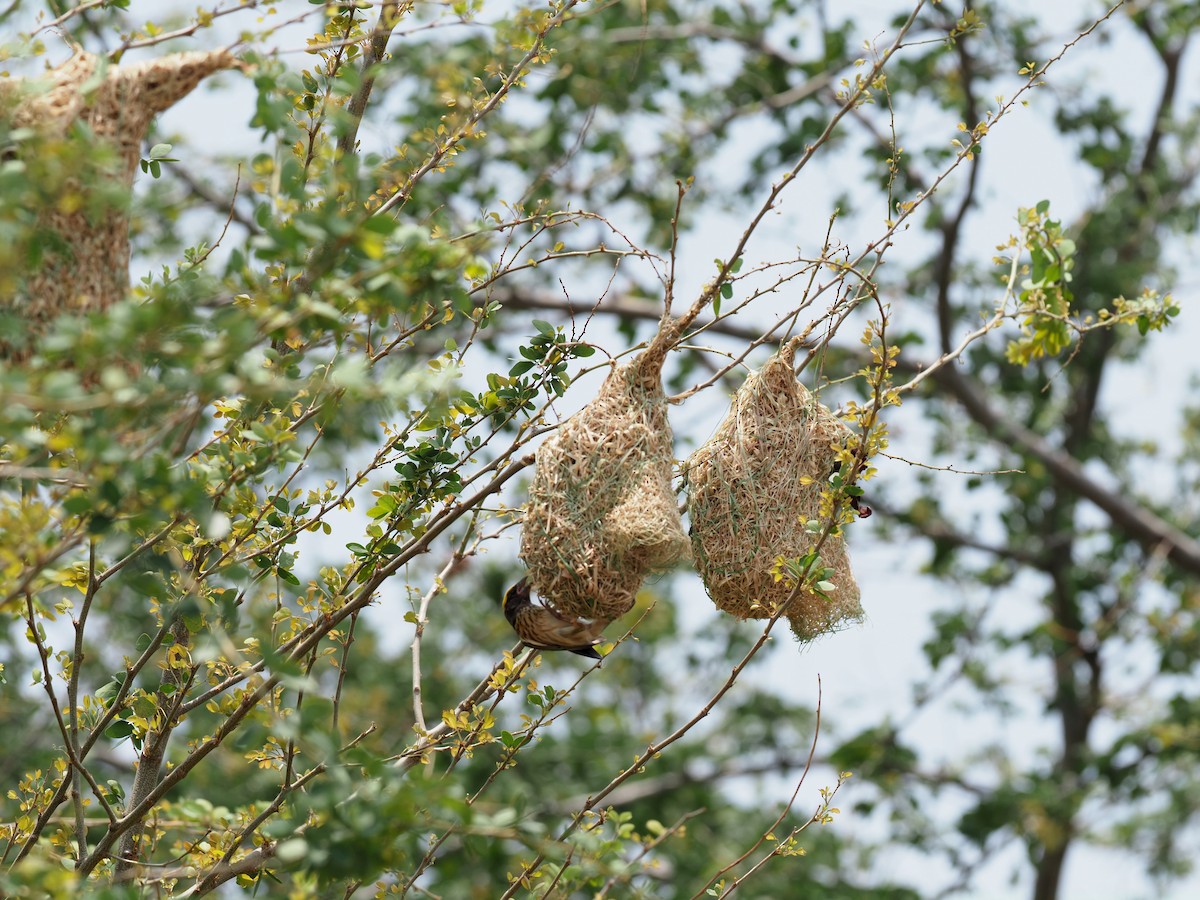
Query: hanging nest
x=85, y=262
x=602, y=512
x=748, y=505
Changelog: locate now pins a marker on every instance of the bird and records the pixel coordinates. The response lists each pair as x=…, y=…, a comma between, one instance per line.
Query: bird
x=543, y=628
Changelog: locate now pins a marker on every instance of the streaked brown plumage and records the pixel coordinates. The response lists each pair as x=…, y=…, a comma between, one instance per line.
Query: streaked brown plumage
x=546, y=629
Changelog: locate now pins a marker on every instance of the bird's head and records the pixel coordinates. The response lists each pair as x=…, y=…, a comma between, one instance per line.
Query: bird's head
x=517, y=594
x=515, y=599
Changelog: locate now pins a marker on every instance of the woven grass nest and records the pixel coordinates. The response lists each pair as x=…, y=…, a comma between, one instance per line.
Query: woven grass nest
x=89, y=268
x=748, y=505
x=602, y=512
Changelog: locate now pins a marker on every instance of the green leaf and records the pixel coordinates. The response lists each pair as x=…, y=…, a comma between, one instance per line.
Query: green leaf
x=118, y=730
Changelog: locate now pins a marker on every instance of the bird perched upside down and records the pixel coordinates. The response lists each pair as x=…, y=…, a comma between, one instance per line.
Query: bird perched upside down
x=543, y=628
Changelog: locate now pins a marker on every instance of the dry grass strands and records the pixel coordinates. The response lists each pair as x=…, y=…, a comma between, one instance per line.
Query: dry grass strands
x=602, y=512
x=85, y=265
x=748, y=506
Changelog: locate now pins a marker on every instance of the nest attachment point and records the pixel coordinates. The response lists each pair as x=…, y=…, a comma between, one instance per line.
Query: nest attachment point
x=749, y=506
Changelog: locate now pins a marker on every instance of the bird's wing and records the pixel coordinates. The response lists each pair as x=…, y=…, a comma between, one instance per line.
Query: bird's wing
x=572, y=631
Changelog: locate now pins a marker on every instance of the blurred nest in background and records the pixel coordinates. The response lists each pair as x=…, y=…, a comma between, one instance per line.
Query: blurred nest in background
x=602, y=512
x=752, y=490
x=106, y=111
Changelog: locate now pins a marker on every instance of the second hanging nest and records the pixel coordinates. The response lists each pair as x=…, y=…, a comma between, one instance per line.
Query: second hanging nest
x=754, y=487
x=602, y=512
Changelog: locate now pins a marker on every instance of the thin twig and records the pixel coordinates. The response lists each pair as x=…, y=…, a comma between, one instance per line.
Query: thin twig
x=422, y=618
x=812, y=750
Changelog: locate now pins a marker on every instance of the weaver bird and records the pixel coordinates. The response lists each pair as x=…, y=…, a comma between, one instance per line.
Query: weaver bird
x=543, y=628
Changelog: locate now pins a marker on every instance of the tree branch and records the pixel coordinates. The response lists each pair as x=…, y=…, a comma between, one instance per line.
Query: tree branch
x=1136, y=521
